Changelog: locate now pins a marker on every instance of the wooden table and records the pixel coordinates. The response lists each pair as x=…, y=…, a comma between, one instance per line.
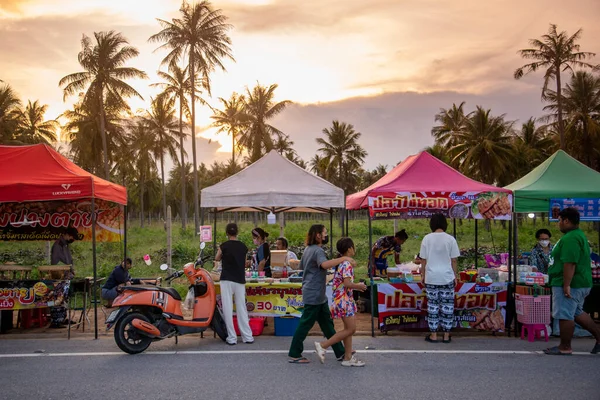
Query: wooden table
x=22, y=270
x=53, y=271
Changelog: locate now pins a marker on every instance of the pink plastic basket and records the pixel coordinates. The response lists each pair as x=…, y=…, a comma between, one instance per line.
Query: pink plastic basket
x=533, y=309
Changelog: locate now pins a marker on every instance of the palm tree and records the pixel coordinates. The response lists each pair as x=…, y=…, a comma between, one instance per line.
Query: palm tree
x=260, y=107
x=31, y=127
x=440, y=152
x=451, y=121
x=340, y=147
x=532, y=145
x=484, y=149
x=162, y=123
x=231, y=120
x=142, y=145
x=177, y=85
x=200, y=36
x=104, y=77
x=174, y=189
x=554, y=52
x=83, y=132
x=9, y=104
x=581, y=106
x=319, y=165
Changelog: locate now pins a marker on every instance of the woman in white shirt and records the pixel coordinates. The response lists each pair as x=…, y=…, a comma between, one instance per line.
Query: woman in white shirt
x=439, y=254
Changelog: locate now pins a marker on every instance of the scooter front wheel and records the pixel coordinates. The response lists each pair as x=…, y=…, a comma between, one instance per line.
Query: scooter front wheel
x=128, y=338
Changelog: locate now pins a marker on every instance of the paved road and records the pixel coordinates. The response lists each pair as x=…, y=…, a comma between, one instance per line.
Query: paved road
x=397, y=367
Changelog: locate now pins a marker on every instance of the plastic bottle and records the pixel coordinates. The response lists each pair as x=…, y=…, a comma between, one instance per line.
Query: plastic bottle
x=285, y=274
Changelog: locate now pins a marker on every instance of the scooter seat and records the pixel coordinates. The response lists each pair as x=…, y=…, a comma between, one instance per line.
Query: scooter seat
x=170, y=291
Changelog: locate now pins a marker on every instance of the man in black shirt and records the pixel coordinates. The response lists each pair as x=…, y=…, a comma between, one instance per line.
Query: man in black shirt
x=120, y=277
x=232, y=254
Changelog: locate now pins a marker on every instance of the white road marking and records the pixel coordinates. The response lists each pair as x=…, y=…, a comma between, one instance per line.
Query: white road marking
x=237, y=352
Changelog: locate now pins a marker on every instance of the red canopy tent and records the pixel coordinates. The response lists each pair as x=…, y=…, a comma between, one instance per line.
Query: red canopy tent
x=38, y=173
x=418, y=182
x=422, y=173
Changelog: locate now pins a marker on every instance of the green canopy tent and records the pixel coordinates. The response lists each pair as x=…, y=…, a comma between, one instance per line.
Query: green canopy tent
x=560, y=176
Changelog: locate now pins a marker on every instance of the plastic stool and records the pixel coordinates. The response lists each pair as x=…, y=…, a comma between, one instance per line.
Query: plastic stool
x=533, y=331
x=33, y=317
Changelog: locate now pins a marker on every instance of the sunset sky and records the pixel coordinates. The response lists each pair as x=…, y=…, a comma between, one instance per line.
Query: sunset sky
x=386, y=66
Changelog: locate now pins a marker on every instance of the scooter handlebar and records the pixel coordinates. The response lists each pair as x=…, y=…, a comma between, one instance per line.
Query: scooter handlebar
x=174, y=275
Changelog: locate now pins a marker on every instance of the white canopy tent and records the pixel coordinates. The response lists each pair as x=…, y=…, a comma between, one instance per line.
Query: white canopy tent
x=275, y=184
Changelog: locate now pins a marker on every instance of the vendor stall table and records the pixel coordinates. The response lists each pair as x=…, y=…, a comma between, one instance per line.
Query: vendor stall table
x=21, y=270
x=271, y=299
x=402, y=306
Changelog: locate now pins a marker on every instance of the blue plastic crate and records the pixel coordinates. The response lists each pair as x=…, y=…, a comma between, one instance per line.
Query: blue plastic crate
x=286, y=326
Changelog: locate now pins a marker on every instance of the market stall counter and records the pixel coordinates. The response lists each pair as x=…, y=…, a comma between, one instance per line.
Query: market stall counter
x=403, y=306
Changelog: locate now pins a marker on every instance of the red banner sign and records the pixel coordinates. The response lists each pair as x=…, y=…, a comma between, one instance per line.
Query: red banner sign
x=406, y=205
x=20, y=295
x=477, y=305
x=47, y=220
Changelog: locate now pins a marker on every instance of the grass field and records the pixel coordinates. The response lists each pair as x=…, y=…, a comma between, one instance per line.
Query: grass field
x=152, y=241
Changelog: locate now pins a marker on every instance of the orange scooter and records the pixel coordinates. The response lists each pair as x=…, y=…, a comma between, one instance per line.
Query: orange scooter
x=148, y=314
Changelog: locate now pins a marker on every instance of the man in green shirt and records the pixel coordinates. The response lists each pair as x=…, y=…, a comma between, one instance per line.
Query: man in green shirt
x=570, y=273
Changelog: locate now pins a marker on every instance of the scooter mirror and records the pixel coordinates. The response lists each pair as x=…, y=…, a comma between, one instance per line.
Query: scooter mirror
x=202, y=245
x=164, y=267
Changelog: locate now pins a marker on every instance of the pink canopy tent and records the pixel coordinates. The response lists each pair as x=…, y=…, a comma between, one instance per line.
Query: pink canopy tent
x=421, y=185
x=420, y=172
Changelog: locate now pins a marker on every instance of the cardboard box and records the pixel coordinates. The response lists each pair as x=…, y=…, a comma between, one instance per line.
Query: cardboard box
x=278, y=258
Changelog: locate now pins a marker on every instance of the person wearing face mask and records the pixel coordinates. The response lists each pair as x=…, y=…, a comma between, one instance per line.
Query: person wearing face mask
x=263, y=253
x=540, y=254
x=61, y=253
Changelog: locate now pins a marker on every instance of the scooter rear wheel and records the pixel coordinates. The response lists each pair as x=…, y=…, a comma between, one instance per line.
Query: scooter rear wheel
x=128, y=338
x=218, y=324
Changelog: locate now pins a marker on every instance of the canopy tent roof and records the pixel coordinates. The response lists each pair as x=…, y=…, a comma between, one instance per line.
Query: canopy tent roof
x=40, y=173
x=420, y=172
x=560, y=176
x=273, y=183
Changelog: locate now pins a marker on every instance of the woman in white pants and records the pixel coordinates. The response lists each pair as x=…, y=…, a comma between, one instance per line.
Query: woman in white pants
x=232, y=255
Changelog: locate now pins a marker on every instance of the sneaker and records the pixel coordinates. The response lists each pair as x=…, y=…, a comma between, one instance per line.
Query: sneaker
x=341, y=358
x=353, y=362
x=320, y=352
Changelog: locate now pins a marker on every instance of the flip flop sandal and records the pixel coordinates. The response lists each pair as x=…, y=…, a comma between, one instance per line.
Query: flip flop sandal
x=447, y=341
x=301, y=360
x=428, y=339
x=596, y=349
x=555, y=351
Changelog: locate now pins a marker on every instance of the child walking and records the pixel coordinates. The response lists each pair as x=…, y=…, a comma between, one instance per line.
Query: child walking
x=343, y=305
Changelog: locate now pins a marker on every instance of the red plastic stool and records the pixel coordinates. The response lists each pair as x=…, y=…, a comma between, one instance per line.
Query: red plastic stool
x=33, y=317
x=533, y=331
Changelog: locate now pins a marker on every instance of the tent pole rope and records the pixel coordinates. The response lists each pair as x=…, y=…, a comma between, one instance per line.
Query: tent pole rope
x=515, y=258
x=95, y=268
x=371, y=275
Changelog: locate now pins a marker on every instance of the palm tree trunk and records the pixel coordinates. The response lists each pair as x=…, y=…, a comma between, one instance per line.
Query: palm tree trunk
x=104, y=142
x=164, y=194
x=232, y=148
x=183, y=202
x=561, y=123
x=196, y=201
